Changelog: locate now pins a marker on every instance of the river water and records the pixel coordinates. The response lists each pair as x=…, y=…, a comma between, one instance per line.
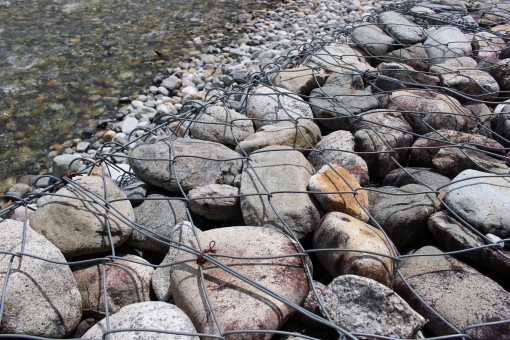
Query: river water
x=64, y=64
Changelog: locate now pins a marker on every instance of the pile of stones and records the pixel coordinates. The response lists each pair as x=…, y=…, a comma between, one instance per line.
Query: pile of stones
x=358, y=186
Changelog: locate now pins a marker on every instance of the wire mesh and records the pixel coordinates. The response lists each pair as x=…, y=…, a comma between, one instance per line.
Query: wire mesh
x=378, y=76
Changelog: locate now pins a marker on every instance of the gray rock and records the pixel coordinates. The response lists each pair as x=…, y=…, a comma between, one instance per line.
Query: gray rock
x=372, y=39
x=267, y=106
x=195, y=163
x=301, y=80
x=479, y=113
x=184, y=234
x=446, y=42
x=221, y=125
x=452, y=161
x=414, y=56
x=240, y=305
x=151, y=315
x=425, y=148
x=338, y=149
x=379, y=132
x=483, y=202
x=136, y=192
x=502, y=128
x=129, y=124
x=216, y=202
x=279, y=168
x=82, y=147
x=476, y=84
x=42, y=298
x=487, y=45
x=339, y=230
x=402, y=216
x=83, y=327
x=346, y=80
x=60, y=164
x=126, y=283
x=452, y=235
x=171, y=83
x=303, y=135
x=71, y=210
x=334, y=105
x=425, y=176
x=501, y=72
x=426, y=111
x=407, y=74
x=338, y=57
x=158, y=214
x=463, y=296
x=362, y=305
x=453, y=64
x=401, y=29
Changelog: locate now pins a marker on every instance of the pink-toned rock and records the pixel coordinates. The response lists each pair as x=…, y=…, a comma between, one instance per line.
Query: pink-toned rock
x=336, y=178
x=239, y=305
x=126, y=283
x=338, y=230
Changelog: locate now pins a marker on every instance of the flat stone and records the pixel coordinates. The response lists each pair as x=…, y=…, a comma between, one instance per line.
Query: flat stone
x=401, y=29
x=184, y=233
x=336, y=178
x=378, y=132
x=463, y=296
x=151, y=315
x=372, y=39
x=158, y=214
x=334, y=105
x=221, y=125
x=476, y=84
x=240, y=305
x=482, y=202
x=452, y=235
x=346, y=79
x=339, y=58
x=126, y=283
x=278, y=168
x=71, y=211
x=216, y=202
x=339, y=230
x=452, y=161
x=362, y=305
x=42, y=298
x=402, y=216
x=424, y=176
x=407, y=74
x=195, y=163
x=303, y=135
x=414, y=56
x=301, y=80
x=268, y=106
x=337, y=148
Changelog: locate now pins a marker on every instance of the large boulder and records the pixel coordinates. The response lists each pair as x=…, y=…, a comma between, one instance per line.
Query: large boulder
x=337, y=148
x=348, y=200
x=426, y=147
x=452, y=235
x=184, y=234
x=278, y=168
x=127, y=280
x=42, y=298
x=221, y=125
x=303, y=134
x=362, y=305
x=446, y=42
x=334, y=105
x=338, y=230
x=158, y=214
x=71, y=210
x=426, y=111
x=403, y=212
x=152, y=315
x=459, y=293
x=377, y=133
x=269, y=106
x=238, y=304
x=184, y=163
x=482, y=200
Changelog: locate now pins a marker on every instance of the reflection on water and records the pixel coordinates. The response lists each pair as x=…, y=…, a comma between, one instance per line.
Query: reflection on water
x=65, y=63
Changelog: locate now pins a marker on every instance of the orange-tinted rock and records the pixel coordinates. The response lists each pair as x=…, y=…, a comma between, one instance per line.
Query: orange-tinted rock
x=336, y=178
x=338, y=230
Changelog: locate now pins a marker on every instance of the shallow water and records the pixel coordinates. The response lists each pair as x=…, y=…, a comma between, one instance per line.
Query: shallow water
x=65, y=63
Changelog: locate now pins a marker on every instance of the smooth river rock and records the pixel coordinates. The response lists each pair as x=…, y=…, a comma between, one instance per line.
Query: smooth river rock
x=70, y=211
x=239, y=305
